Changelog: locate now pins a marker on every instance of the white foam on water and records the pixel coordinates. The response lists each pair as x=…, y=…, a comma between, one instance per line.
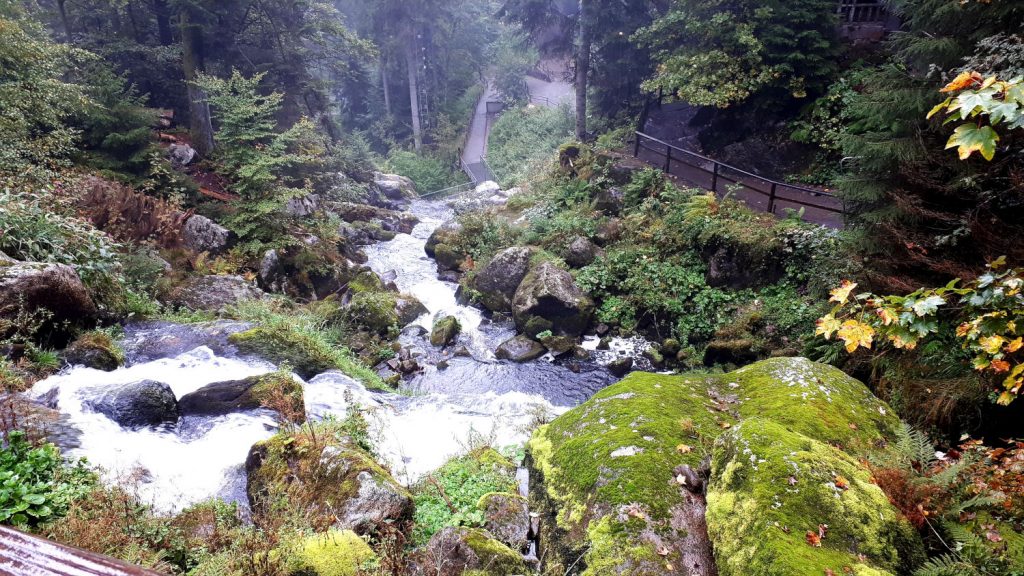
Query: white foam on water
x=173, y=469
x=417, y=434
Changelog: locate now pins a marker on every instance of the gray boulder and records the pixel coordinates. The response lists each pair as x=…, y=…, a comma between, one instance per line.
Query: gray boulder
x=394, y=187
x=181, y=154
x=498, y=280
x=582, y=252
x=6, y=260
x=241, y=395
x=609, y=231
x=445, y=331
x=610, y=200
x=136, y=405
x=408, y=308
x=214, y=293
x=507, y=517
x=549, y=299
x=303, y=206
x=201, y=234
x=520, y=349
x=454, y=551
x=28, y=287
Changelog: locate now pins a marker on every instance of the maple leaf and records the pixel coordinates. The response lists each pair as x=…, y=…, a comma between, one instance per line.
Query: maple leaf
x=887, y=315
x=842, y=294
x=813, y=539
x=856, y=334
x=826, y=326
x=991, y=344
x=928, y=306
x=1015, y=345
x=963, y=80
x=1000, y=366
x=970, y=138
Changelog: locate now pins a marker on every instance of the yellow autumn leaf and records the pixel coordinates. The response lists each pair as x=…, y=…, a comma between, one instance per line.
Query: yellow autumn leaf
x=991, y=344
x=1000, y=366
x=964, y=80
x=827, y=326
x=902, y=344
x=966, y=329
x=842, y=294
x=856, y=334
x=887, y=315
x=1014, y=345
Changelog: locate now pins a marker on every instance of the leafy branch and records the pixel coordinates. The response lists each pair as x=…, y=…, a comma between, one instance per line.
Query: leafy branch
x=980, y=99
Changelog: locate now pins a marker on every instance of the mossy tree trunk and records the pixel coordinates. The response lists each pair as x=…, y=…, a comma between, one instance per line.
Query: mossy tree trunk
x=200, y=125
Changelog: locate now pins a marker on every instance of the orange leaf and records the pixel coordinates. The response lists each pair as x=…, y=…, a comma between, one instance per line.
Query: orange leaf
x=842, y=294
x=813, y=539
x=842, y=483
x=964, y=80
x=1000, y=365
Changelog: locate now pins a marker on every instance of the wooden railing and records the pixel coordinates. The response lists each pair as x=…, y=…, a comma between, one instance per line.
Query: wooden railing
x=24, y=555
x=758, y=192
x=861, y=12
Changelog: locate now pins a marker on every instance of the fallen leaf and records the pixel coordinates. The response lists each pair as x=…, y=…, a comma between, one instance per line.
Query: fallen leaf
x=684, y=449
x=853, y=426
x=842, y=483
x=681, y=480
x=993, y=536
x=725, y=425
x=813, y=539
x=792, y=480
x=663, y=551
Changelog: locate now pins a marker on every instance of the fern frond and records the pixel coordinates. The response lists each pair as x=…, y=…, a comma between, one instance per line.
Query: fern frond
x=946, y=565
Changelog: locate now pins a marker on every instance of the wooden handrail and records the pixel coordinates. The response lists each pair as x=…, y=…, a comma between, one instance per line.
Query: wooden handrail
x=25, y=555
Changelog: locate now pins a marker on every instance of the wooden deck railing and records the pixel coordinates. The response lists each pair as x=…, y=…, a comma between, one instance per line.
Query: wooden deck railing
x=24, y=555
x=760, y=193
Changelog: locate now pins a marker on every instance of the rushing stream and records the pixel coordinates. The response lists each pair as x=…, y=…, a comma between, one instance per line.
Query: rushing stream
x=433, y=418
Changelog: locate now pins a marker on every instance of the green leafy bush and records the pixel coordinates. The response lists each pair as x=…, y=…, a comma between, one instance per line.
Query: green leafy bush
x=427, y=172
x=35, y=486
x=523, y=137
x=460, y=482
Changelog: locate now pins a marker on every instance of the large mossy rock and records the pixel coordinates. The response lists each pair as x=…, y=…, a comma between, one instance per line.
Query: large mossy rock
x=445, y=331
x=520, y=349
x=443, y=246
x=498, y=280
x=330, y=477
x=95, y=350
x=507, y=517
x=136, y=405
x=455, y=551
x=335, y=553
x=549, y=299
x=214, y=293
x=248, y=394
x=279, y=344
x=618, y=480
x=53, y=292
x=375, y=311
x=769, y=485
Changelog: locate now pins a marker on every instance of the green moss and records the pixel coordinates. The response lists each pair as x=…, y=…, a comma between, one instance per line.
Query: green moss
x=268, y=386
x=497, y=558
x=336, y=553
x=771, y=486
x=445, y=331
x=307, y=354
x=607, y=466
x=374, y=311
x=366, y=281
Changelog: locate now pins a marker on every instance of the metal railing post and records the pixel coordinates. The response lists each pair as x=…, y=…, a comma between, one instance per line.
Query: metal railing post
x=636, y=145
x=668, y=159
x=714, y=178
x=771, y=199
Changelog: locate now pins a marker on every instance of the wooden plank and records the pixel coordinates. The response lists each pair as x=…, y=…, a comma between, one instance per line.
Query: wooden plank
x=24, y=555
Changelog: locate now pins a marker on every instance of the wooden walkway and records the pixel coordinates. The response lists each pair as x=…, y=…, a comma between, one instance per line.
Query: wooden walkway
x=759, y=193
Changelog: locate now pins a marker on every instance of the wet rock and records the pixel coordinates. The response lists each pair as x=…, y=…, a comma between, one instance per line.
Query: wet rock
x=153, y=340
x=6, y=260
x=461, y=352
x=602, y=329
x=200, y=234
x=41, y=421
x=455, y=551
x=736, y=351
x=551, y=294
x=609, y=231
x=394, y=189
x=739, y=267
x=498, y=280
x=271, y=274
x=410, y=366
x=610, y=200
x=214, y=293
x=350, y=487
x=582, y=252
x=488, y=188
x=611, y=461
x=621, y=366
x=390, y=220
x=441, y=246
x=441, y=365
x=507, y=518
x=520, y=349
x=445, y=331
x=136, y=405
x=94, y=350
x=449, y=276
x=655, y=356
x=605, y=343
x=408, y=308
x=30, y=287
x=557, y=345
x=248, y=394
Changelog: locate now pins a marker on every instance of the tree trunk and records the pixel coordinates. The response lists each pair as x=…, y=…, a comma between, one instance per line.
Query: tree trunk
x=384, y=84
x=582, y=69
x=64, y=18
x=414, y=91
x=163, y=22
x=199, y=110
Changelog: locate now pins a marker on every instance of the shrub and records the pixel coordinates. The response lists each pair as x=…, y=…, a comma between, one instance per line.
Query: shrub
x=449, y=496
x=521, y=138
x=35, y=487
x=427, y=172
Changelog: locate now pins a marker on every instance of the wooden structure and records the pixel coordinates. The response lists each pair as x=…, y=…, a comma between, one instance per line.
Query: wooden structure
x=24, y=555
x=864, y=20
x=759, y=193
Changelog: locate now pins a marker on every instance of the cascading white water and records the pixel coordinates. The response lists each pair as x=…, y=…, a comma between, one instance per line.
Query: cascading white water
x=416, y=431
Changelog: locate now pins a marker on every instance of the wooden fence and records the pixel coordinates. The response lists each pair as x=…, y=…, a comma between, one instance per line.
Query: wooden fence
x=758, y=192
x=24, y=555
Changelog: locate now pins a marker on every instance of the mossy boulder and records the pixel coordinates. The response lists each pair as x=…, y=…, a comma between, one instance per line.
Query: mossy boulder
x=455, y=551
x=94, y=350
x=280, y=344
x=550, y=294
x=265, y=391
x=519, y=349
x=51, y=289
x=214, y=293
x=614, y=478
x=445, y=331
x=366, y=281
x=408, y=308
x=507, y=517
x=770, y=487
x=443, y=245
x=328, y=476
x=497, y=282
x=375, y=311
x=335, y=553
